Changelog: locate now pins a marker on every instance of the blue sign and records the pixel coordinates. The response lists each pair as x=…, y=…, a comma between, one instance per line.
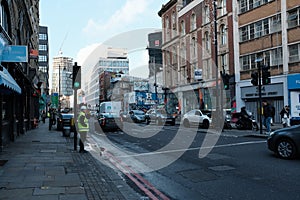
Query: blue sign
x=293, y=81
x=14, y=53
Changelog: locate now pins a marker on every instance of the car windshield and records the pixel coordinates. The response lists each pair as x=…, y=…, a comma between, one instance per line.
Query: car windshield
x=110, y=115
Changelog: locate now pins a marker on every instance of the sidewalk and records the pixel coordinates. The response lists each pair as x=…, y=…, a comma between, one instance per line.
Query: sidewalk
x=42, y=164
x=249, y=133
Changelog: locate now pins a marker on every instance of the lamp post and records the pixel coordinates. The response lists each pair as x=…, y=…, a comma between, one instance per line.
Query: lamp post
x=218, y=108
x=152, y=60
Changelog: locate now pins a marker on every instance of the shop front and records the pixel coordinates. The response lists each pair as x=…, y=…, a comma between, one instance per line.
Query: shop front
x=273, y=93
x=294, y=97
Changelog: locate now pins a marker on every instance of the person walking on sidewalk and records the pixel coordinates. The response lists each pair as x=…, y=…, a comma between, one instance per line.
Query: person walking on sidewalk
x=267, y=112
x=83, y=127
x=285, y=116
x=52, y=120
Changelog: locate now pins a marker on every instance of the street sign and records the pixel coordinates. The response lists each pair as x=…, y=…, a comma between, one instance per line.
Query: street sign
x=15, y=53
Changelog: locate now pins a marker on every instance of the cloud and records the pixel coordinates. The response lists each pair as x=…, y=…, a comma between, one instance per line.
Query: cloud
x=119, y=20
x=138, y=64
x=85, y=52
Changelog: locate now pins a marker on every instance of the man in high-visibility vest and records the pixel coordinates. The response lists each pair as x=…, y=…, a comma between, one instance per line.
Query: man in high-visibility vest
x=83, y=127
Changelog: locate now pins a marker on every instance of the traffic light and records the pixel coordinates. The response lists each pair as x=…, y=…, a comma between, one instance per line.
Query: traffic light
x=225, y=78
x=76, y=78
x=266, y=75
x=254, y=79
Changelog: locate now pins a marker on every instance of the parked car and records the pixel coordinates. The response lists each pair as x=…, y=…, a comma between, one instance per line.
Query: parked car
x=65, y=123
x=93, y=113
x=196, y=117
x=160, y=117
x=285, y=142
x=137, y=116
x=109, y=121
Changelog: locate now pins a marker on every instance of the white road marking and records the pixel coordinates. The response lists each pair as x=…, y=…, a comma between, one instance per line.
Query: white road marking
x=192, y=149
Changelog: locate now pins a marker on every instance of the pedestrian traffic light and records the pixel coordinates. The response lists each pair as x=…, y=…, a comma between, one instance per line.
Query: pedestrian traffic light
x=76, y=78
x=266, y=75
x=225, y=78
x=254, y=79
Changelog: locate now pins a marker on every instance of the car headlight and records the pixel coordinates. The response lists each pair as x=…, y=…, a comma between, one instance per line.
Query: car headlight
x=272, y=133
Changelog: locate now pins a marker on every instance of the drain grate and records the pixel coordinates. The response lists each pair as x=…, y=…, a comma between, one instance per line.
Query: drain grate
x=2, y=162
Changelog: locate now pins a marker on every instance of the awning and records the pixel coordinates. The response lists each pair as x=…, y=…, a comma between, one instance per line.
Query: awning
x=8, y=81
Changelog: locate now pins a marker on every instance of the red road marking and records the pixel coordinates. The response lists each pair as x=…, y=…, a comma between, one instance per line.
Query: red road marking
x=128, y=171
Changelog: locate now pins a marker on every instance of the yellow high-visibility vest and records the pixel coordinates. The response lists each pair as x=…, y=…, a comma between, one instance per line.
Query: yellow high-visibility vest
x=81, y=127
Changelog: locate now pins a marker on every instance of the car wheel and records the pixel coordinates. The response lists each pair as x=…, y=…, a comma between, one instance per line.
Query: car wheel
x=255, y=127
x=186, y=123
x=285, y=148
x=173, y=123
x=147, y=121
x=205, y=124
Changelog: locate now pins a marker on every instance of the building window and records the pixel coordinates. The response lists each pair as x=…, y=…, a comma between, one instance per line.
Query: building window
x=42, y=36
x=183, y=54
x=276, y=57
x=293, y=18
x=168, y=28
x=193, y=48
x=42, y=58
x=294, y=53
x=182, y=27
x=244, y=35
x=206, y=14
x=206, y=41
x=193, y=22
x=256, y=30
x=270, y=58
x=4, y=19
x=223, y=9
x=207, y=74
x=223, y=35
x=173, y=20
x=246, y=5
x=223, y=60
x=245, y=65
x=43, y=47
x=275, y=24
x=174, y=55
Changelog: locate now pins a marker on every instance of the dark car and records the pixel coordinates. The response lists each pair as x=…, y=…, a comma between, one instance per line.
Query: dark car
x=160, y=117
x=109, y=121
x=285, y=142
x=137, y=116
x=65, y=120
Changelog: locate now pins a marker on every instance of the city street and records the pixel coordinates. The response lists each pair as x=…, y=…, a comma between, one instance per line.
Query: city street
x=238, y=167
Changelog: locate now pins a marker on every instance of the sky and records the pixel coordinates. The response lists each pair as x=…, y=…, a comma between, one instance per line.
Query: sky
x=78, y=28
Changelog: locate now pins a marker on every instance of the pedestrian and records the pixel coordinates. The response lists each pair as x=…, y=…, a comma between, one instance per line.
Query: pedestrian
x=267, y=113
x=273, y=115
x=285, y=116
x=83, y=127
x=52, y=116
x=44, y=116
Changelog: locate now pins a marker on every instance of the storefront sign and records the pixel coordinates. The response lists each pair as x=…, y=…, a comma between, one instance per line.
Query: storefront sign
x=295, y=104
x=294, y=81
x=272, y=90
x=14, y=53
